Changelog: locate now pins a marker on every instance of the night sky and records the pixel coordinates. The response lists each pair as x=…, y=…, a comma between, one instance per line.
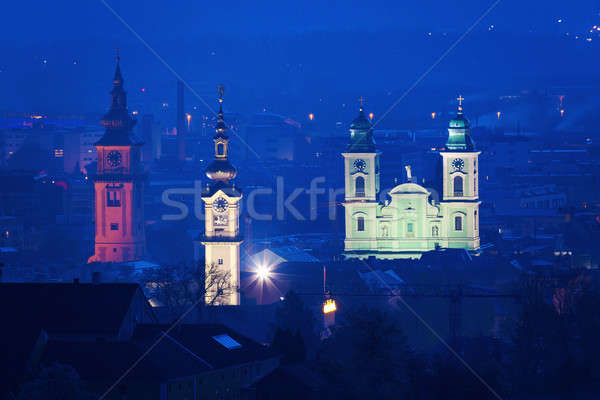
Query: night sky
x=286, y=56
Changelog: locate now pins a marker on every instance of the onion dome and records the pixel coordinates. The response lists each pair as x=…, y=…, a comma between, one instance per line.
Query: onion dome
x=221, y=170
x=361, y=134
x=117, y=121
x=459, y=132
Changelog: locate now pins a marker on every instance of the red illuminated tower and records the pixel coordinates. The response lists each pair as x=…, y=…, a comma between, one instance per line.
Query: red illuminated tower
x=119, y=185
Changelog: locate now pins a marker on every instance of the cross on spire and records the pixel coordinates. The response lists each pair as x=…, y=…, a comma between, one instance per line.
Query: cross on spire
x=460, y=99
x=361, y=100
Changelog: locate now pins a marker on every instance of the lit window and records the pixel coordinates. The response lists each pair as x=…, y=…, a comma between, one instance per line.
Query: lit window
x=220, y=149
x=360, y=223
x=227, y=341
x=458, y=223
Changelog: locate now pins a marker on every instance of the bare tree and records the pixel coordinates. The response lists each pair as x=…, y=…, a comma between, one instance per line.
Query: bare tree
x=179, y=287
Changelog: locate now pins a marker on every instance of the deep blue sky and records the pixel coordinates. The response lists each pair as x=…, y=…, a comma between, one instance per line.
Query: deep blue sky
x=285, y=55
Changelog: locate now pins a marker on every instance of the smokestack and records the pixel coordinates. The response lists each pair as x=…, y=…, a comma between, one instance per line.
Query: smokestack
x=180, y=123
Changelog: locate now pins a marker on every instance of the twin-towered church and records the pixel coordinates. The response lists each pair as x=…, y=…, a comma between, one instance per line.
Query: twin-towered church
x=406, y=224
x=409, y=222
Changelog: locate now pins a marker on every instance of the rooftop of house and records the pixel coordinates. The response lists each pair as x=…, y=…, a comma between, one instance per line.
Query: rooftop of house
x=67, y=308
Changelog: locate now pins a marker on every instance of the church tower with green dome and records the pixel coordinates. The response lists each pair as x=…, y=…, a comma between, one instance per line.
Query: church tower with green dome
x=461, y=183
x=361, y=172
x=409, y=221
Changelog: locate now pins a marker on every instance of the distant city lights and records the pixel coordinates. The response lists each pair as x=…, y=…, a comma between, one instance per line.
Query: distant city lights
x=498, y=114
x=311, y=116
x=371, y=115
x=433, y=115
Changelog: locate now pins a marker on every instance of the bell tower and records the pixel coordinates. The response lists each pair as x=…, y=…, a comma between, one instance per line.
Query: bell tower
x=119, y=185
x=460, y=196
x=222, y=237
x=361, y=177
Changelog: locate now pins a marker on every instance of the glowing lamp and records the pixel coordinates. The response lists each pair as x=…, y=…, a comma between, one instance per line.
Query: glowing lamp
x=329, y=306
x=432, y=115
x=498, y=114
x=371, y=115
x=263, y=272
x=311, y=116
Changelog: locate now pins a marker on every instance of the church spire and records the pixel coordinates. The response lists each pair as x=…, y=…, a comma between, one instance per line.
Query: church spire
x=361, y=133
x=117, y=121
x=221, y=170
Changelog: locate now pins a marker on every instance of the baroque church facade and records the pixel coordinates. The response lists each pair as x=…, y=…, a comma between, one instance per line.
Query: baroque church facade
x=406, y=221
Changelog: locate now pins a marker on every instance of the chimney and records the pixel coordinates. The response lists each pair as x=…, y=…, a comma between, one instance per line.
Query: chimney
x=180, y=123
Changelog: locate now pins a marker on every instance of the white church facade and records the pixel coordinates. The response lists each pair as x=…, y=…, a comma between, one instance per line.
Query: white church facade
x=406, y=221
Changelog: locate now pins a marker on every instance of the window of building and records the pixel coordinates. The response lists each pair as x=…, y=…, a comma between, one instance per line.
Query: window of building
x=409, y=227
x=114, y=227
x=475, y=185
x=220, y=149
x=360, y=223
x=113, y=198
x=458, y=223
x=435, y=231
x=359, y=187
x=220, y=261
x=458, y=186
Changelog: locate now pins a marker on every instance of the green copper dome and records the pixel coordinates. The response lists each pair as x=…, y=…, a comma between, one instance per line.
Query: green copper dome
x=459, y=133
x=460, y=121
x=361, y=135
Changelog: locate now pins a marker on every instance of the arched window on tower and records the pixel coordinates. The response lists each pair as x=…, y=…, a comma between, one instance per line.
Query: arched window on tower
x=458, y=223
x=220, y=149
x=458, y=186
x=360, y=223
x=359, y=187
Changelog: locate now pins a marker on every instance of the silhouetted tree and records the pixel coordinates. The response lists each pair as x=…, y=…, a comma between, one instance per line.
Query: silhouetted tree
x=292, y=315
x=290, y=346
x=367, y=356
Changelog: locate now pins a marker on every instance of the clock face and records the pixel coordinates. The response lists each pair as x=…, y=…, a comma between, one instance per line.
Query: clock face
x=220, y=204
x=220, y=220
x=113, y=159
x=458, y=164
x=360, y=165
